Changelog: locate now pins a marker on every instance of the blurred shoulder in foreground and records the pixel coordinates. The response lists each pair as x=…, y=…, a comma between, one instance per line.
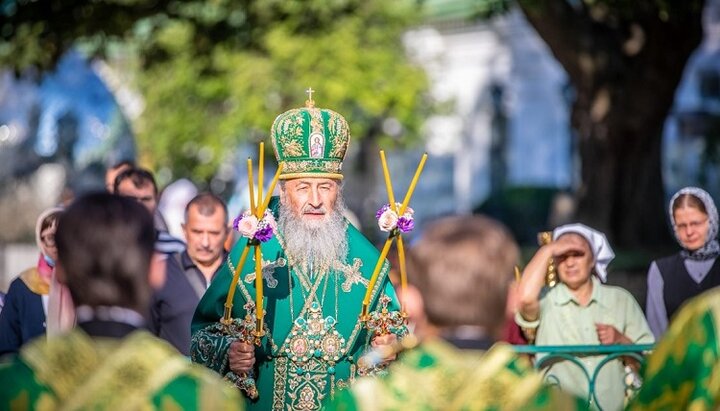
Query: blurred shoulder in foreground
x=105, y=257
x=462, y=268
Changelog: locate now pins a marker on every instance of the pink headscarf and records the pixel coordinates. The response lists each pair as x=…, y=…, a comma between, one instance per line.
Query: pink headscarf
x=61, y=311
x=45, y=268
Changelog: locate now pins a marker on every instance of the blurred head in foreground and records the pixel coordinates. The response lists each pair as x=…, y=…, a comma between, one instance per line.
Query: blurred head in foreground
x=105, y=247
x=462, y=267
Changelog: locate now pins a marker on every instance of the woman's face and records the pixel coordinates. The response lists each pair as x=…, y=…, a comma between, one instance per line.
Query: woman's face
x=691, y=227
x=47, y=237
x=575, y=266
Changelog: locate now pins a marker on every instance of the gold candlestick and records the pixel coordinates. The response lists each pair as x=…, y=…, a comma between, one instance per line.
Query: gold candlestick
x=227, y=315
x=364, y=315
x=551, y=278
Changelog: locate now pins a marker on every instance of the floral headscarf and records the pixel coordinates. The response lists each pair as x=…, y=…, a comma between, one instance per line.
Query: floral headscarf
x=711, y=248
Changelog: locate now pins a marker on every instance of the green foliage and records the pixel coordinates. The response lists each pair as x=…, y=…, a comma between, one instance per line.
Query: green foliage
x=440, y=11
x=215, y=73
x=200, y=107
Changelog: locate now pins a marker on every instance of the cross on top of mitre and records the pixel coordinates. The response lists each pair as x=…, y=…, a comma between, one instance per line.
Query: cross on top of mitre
x=309, y=103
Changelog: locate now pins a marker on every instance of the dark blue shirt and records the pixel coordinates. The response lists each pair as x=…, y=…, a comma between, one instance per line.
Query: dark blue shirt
x=22, y=317
x=173, y=305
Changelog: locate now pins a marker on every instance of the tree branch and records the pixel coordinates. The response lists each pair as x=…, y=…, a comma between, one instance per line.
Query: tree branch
x=562, y=28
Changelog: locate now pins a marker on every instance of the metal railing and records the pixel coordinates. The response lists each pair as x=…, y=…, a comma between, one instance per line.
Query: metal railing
x=571, y=353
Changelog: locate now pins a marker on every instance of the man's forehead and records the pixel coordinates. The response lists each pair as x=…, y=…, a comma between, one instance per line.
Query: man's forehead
x=196, y=212
x=128, y=185
x=201, y=222
x=313, y=181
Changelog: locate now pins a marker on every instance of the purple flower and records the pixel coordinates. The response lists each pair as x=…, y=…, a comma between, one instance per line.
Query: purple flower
x=263, y=234
x=236, y=222
x=382, y=210
x=405, y=224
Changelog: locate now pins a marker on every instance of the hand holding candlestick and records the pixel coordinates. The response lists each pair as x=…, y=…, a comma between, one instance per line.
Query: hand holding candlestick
x=257, y=225
x=395, y=219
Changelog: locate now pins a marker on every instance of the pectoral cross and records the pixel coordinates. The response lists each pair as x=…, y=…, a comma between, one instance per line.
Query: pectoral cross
x=352, y=275
x=310, y=102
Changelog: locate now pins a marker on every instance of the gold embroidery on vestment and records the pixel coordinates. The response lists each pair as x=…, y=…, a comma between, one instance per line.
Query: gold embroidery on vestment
x=268, y=272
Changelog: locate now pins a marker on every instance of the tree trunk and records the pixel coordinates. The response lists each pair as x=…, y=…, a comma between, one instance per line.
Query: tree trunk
x=625, y=65
x=622, y=192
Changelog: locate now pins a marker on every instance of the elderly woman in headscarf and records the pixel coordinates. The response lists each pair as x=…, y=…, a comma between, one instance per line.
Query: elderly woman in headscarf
x=24, y=315
x=674, y=279
x=580, y=310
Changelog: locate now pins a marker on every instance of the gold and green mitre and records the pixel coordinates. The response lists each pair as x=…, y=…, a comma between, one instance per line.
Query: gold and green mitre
x=310, y=141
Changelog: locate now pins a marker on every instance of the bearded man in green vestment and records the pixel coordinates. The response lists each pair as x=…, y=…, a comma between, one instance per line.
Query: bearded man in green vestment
x=316, y=272
x=105, y=245
x=462, y=267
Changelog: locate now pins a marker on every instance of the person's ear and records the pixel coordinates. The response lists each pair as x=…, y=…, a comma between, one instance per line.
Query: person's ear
x=229, y=239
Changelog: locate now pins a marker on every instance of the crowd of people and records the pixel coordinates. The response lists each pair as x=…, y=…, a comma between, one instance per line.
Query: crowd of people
x=120, y=314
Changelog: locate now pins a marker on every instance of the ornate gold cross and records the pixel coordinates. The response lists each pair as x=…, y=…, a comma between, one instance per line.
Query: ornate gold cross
x=310, y=102
x=352, y=274
x=268, y=271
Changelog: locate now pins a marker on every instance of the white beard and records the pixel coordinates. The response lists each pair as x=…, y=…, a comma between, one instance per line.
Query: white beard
x=317, y=244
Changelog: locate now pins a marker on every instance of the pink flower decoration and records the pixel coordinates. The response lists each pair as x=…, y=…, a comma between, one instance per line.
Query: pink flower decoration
x=269, y=219
x=256, y=230
x=247, y=226
x=388, y=220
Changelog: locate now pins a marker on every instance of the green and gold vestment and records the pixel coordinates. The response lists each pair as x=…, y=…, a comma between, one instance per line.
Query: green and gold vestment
x=139, y=372
x=313, y=334
x=683, y=372
x=438, y=376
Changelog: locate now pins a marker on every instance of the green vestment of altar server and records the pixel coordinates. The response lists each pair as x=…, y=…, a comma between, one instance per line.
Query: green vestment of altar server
x=438, y=376
x=139, y=372
x=683, y=372
x=313, y=333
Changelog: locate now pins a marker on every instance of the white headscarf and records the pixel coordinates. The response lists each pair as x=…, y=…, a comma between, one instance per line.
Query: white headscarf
x=602, y=252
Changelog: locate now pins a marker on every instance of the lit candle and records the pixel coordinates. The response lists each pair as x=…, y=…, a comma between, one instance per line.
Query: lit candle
x=413, y=183
x=258, y=290
x=251, y=186
x=388, y=182
x=403, y=273
x=373, y=279
x=233, y=285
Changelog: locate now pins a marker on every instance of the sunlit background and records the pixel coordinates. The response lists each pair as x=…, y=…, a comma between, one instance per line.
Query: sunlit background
x=519, y=121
